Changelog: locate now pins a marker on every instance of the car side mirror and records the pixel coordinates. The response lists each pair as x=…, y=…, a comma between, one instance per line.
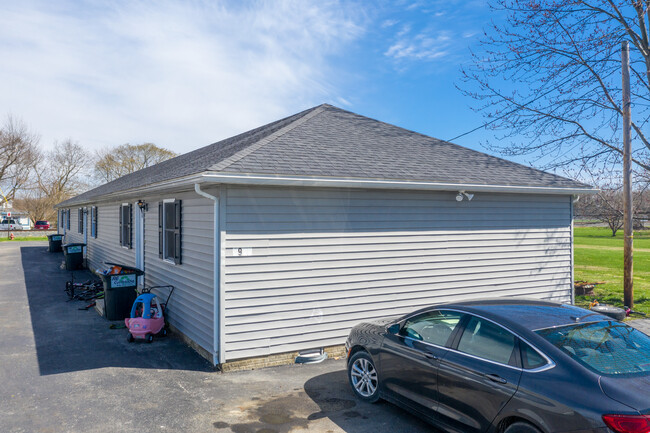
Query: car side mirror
x=393, y=329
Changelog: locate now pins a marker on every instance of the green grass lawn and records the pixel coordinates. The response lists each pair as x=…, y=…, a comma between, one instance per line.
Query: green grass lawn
x=599, y=257
x=22, y=238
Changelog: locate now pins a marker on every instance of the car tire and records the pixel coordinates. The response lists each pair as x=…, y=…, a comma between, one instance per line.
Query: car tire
x=363, y=377
x=521, y=427
x=149, y=338
x=609, y=310
x=129, y=337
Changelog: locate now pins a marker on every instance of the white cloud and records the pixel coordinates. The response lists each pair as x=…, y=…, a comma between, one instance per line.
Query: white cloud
x=422, y=46
x=179, y=74
x=389, y=23
x=433, y=31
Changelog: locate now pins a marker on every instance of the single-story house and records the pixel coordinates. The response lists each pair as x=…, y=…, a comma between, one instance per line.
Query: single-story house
x=282, y=238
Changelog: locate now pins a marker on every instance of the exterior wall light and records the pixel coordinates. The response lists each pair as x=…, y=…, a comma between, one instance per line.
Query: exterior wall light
x=143, y=205
x=462, y=195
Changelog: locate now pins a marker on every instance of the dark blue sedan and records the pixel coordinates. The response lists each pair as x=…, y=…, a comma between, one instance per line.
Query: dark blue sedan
x=507, y=366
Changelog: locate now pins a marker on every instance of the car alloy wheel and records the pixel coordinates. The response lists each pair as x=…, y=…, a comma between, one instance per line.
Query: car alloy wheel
x=363, y=377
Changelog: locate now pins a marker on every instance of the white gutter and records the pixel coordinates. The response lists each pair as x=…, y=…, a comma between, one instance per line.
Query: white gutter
x=127, y=194
x=217, y=344
x=256, y=179
x=343, y=182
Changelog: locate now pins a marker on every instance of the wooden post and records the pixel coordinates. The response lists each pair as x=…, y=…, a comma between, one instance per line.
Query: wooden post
x=628, y=283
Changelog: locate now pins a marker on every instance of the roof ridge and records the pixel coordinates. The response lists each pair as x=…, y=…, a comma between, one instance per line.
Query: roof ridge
x=221, y=165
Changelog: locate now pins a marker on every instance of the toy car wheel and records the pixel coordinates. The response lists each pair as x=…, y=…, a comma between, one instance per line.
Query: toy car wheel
x=164, y=332
x=149, y=338
x=129, y=337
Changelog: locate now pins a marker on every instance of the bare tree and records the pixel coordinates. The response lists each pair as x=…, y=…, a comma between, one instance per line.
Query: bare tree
x=18, y=152
x=127, y=158
x=551, y=72
x=606, y=206
x=58, y=175
x=59, y=171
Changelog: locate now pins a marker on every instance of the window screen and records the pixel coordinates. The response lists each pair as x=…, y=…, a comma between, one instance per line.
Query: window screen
x=126, y=233
x=93, y=221
x=169, y=231
x=80, y=223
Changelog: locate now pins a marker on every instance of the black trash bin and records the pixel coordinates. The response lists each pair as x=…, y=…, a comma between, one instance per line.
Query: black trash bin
x=120, y=291
x=74, y=256
x=55, y=243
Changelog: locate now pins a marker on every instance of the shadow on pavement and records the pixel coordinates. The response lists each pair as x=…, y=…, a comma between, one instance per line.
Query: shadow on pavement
x=332, y=393
x=68, y=339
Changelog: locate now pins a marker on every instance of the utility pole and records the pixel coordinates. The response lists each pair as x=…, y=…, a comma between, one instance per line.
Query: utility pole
x=628, y=257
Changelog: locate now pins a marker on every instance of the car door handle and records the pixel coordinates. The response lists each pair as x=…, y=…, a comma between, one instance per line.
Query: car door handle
x=496, y=378
x=431, y=356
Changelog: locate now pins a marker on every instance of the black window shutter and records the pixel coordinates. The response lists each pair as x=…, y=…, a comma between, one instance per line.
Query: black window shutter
x=121, y=225
x=95, y=219
x=160, y=229
x=130, y=226
x=80, y=213
x=67, y=219
x=177, y=232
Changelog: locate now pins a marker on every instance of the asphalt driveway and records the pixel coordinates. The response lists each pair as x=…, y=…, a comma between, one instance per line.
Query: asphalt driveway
x=63, y=370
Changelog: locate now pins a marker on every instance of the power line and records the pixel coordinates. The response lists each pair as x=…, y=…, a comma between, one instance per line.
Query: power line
x=512, y=111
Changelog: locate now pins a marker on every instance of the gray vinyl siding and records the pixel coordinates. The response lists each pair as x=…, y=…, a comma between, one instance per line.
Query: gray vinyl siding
x=72, y=234
x=317, y=261
x=106, y=247
x=191, y=305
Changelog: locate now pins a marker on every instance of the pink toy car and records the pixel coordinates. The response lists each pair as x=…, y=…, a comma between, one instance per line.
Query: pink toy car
x=147, y=318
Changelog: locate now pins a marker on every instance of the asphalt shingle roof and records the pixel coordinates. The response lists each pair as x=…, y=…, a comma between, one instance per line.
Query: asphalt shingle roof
x=326, y=141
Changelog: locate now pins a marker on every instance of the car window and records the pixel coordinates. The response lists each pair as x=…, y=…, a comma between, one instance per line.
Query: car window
x=487, y=340
x=433, y=327
x=606, y=347
x=530, y=358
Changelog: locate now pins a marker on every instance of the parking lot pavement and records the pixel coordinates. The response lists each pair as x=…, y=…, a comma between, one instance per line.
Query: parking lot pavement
x=63, y=370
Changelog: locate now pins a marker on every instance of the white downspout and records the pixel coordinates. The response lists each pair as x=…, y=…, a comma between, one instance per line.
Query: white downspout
x=216, y=344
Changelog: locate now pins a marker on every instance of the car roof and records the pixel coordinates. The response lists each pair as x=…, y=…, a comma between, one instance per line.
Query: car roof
x=526, y=314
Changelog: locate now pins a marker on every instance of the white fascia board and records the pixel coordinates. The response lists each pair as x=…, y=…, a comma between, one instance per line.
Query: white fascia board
x=257, y=179
x=186, y=182
x=331, y=182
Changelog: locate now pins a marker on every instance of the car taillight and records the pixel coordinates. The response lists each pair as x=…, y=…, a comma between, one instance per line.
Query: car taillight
x=628, y=423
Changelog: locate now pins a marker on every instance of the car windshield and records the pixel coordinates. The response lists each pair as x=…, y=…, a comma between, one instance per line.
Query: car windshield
x=41, y=223
x=605, y=347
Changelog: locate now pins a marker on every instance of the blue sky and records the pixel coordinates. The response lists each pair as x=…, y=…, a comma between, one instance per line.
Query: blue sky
x=185, y=74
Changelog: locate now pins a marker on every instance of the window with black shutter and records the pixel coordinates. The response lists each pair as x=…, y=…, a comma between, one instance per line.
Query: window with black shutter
x=80, y=224
x=126, y=225
x=169, y=231
x=93, y=221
